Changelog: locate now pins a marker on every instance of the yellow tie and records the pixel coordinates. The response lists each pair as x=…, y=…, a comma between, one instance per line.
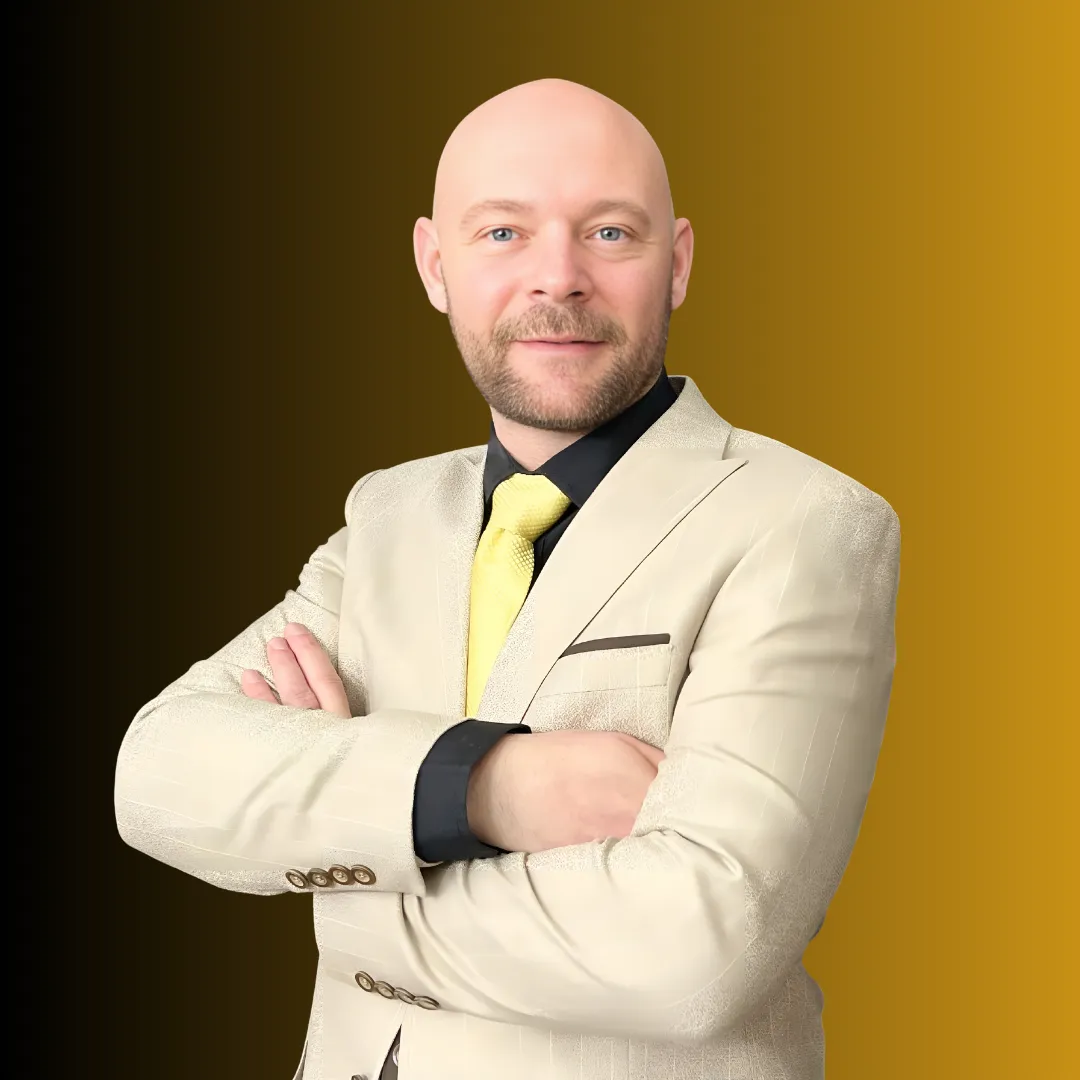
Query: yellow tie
x=523, y=507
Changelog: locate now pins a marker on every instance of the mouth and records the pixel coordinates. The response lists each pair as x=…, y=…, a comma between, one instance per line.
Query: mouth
x=554, y=341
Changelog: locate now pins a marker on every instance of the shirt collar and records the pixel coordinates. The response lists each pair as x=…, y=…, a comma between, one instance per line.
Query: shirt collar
x=578, y=469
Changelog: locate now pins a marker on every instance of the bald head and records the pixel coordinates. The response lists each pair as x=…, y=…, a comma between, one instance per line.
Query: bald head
x=553, y=248
x=550, y=131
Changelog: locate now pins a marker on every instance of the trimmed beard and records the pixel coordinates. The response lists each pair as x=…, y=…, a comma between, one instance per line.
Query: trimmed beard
x=634, y=368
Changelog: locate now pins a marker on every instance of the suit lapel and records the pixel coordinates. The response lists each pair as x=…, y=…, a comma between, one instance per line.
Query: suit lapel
x=455, y=512
x=663, y=476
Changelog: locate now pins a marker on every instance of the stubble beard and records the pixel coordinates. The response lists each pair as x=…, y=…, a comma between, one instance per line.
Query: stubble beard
x=634, y=367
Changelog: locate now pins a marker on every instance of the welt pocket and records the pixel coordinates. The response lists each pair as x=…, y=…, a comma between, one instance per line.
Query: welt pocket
x=641, y=662
x=629, y=641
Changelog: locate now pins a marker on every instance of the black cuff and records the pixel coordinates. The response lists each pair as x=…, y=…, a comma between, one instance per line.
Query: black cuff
x=440, y=816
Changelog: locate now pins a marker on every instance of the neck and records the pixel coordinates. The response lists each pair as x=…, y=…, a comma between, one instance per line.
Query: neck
x=530, y=446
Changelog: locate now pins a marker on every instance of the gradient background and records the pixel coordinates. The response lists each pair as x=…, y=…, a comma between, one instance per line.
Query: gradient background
x=884, y=197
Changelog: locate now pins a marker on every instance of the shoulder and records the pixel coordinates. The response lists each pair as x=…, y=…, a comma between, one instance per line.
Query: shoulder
x=776, y=471
x=407, y=481
x=809, y=517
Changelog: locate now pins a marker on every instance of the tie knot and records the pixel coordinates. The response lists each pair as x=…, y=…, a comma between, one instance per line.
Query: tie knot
x=527, y=505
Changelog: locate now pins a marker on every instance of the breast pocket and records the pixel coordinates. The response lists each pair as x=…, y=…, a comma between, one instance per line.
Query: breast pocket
x=607, y=689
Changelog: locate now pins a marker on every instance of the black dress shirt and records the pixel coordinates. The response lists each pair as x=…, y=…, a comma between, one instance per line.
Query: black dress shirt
x=440, y=820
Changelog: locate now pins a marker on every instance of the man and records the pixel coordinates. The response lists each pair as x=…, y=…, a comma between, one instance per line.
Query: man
x=569, y=736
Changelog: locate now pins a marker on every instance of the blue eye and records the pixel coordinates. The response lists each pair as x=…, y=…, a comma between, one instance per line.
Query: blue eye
x=504, y=233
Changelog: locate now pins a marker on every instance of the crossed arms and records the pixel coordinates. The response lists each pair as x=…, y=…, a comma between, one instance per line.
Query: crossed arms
x=673, y=933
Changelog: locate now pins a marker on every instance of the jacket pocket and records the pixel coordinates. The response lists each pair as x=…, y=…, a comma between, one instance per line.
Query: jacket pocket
x=624, y=667
x=629, y=641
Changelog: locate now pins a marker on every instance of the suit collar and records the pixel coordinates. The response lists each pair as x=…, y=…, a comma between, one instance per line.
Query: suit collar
x=675, y=464
x=689, y=424
x=578, y=469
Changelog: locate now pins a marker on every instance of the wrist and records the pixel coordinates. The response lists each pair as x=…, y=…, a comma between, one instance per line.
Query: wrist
x=482, y=795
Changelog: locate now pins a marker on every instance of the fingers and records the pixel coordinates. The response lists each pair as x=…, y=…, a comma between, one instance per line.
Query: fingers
x=255, y=686
x=317, y=671
x=292, y=685
x=303, y=673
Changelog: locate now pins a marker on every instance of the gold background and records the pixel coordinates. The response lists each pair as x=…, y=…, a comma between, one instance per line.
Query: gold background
x=884, y=200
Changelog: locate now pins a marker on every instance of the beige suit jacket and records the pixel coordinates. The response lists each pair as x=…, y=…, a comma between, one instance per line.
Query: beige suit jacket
x=673, y=953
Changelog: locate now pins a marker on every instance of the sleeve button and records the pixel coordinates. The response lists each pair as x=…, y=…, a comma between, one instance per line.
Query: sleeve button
x=363, y=875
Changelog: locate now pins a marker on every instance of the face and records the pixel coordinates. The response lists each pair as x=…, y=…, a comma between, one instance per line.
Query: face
x=562, y=367
x=555, y=258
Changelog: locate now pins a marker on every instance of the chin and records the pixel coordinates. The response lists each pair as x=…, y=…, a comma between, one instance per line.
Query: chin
x=562, y=386
x=565, y=408
x=558, y=394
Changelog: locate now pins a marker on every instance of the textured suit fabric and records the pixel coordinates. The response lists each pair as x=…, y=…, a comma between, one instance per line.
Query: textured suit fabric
x=673, y=952
x=441, y=830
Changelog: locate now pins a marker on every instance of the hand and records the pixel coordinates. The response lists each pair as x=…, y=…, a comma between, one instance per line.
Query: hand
x=304, y=675
x=558, y=788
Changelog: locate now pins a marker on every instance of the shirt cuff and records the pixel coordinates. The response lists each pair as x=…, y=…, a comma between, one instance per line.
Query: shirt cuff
x=440, y=816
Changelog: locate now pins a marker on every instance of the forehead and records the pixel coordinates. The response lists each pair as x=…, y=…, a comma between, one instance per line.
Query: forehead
x=555, y=169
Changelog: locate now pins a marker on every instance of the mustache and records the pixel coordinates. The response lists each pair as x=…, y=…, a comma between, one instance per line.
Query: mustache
x=558, y=322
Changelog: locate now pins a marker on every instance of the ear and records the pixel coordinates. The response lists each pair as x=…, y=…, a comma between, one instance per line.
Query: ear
x=428, y=263
x=682, y=257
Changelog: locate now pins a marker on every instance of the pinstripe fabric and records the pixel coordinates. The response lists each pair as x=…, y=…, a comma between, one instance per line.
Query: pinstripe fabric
x=672, y=953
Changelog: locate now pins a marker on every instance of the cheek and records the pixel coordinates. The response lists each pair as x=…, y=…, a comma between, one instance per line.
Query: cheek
x=636, y=296
x=480, y=296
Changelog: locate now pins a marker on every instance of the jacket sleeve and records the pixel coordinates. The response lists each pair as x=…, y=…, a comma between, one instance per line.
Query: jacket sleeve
x=678, y=931
x=440, y=808
x=240, y=792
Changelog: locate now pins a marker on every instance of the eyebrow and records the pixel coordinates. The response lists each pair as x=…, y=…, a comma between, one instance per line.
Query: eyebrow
x=512, y=206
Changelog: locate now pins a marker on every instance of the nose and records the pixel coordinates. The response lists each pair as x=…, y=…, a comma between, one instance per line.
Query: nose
x=558, y=270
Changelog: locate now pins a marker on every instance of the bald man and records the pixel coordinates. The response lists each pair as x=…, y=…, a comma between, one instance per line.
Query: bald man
x=568, y=735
